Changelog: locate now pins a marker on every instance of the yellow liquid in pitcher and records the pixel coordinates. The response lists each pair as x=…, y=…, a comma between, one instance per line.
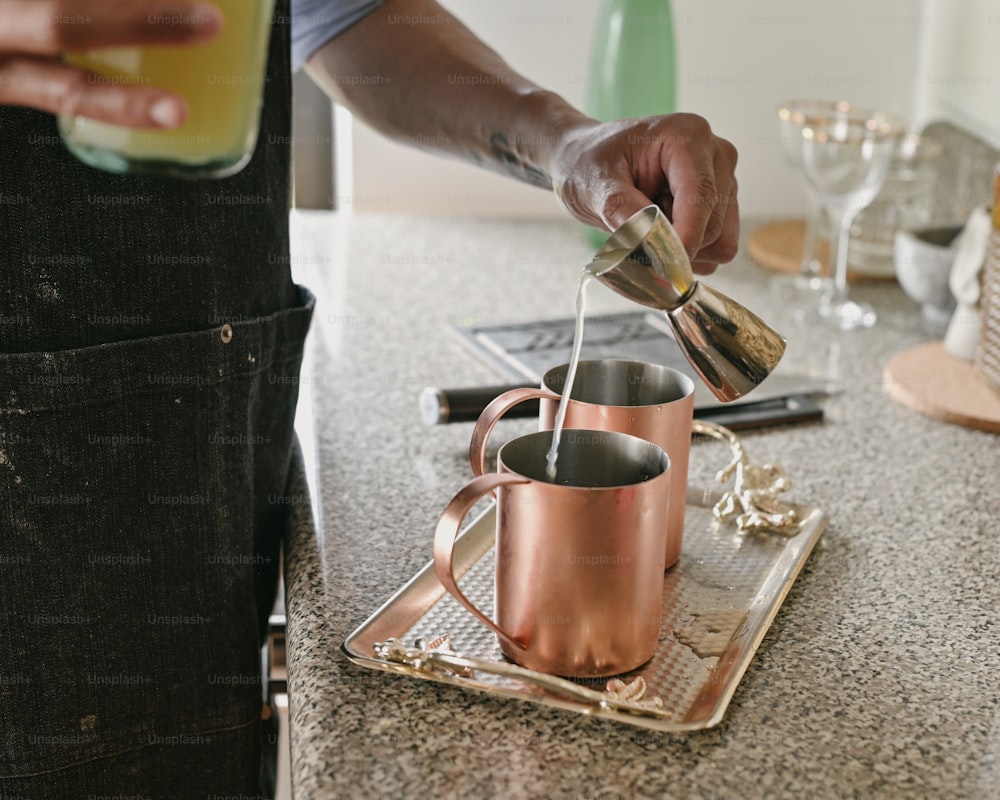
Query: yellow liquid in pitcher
x=222, y=82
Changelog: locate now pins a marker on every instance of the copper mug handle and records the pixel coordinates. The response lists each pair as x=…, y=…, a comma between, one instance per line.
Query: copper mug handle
x=447, y=531
x=492, y=414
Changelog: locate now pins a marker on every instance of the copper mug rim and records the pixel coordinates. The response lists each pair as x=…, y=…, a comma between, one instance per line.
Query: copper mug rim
x=674, y=384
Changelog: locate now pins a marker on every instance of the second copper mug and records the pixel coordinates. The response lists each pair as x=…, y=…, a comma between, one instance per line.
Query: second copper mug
x=579, y=563
x=651, y=401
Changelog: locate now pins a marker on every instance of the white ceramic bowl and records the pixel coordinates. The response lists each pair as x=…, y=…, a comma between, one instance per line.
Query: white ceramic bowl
x=923, y=259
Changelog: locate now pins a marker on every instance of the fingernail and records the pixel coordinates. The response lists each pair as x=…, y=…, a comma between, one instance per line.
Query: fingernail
x=167, y=112
x=205, y=15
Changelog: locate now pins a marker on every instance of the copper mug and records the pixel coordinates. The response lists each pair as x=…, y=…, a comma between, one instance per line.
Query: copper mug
x=651, y=401
x=579, y=563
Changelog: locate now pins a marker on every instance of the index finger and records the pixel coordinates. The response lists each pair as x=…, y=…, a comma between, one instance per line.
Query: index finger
x=695, y=195
x=49, y=27
x=700, y=171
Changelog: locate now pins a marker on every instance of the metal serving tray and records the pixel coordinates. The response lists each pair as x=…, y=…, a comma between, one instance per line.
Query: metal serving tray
x=718, y=602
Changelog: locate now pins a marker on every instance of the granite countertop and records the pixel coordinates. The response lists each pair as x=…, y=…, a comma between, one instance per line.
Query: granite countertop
x=878, y=678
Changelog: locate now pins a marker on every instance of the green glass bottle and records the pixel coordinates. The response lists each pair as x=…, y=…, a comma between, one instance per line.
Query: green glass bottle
x=633, y=65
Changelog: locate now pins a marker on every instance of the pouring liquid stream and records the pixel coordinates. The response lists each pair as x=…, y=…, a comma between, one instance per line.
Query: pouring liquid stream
x=550, y=465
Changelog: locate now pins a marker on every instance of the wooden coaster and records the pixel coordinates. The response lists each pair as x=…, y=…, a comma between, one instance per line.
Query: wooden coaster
x=930, y=380
x=778, y=246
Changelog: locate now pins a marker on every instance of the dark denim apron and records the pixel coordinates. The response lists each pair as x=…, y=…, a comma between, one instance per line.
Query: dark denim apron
x=150, y=340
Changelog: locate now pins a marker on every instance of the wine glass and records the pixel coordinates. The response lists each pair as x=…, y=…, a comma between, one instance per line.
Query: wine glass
x=792, y=115
x=845, y=157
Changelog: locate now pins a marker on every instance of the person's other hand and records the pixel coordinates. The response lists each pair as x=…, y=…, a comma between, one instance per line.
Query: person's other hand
x=605, y=172
x=34, y=34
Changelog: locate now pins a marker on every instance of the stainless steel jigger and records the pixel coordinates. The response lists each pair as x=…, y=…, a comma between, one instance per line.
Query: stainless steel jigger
x=730, y=347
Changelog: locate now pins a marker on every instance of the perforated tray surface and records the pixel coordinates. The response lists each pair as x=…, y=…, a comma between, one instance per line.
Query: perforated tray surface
x=718, y=602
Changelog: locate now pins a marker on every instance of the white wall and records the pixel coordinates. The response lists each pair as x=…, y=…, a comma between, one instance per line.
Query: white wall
x=737, y=60
x=959, y=78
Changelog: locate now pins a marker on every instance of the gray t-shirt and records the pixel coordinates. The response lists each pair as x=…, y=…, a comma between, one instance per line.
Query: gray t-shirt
x=315, y=22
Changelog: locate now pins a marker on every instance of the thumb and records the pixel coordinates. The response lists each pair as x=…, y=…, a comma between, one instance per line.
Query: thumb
x=622, y=204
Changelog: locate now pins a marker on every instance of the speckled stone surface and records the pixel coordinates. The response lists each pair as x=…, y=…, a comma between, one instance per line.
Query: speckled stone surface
x=877, y=679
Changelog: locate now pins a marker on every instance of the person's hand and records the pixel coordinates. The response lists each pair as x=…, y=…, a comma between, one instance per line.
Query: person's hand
x=605, y=172
x=34, y=34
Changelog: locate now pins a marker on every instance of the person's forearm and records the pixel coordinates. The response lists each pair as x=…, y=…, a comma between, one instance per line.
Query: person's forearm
x=441, y=89
x=413, y=72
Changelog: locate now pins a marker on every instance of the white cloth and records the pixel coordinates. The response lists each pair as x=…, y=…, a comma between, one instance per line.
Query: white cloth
x=962, y=337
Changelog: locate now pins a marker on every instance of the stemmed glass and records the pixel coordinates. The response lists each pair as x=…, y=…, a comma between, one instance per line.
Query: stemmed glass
x=792, y=115
x=845, y=157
